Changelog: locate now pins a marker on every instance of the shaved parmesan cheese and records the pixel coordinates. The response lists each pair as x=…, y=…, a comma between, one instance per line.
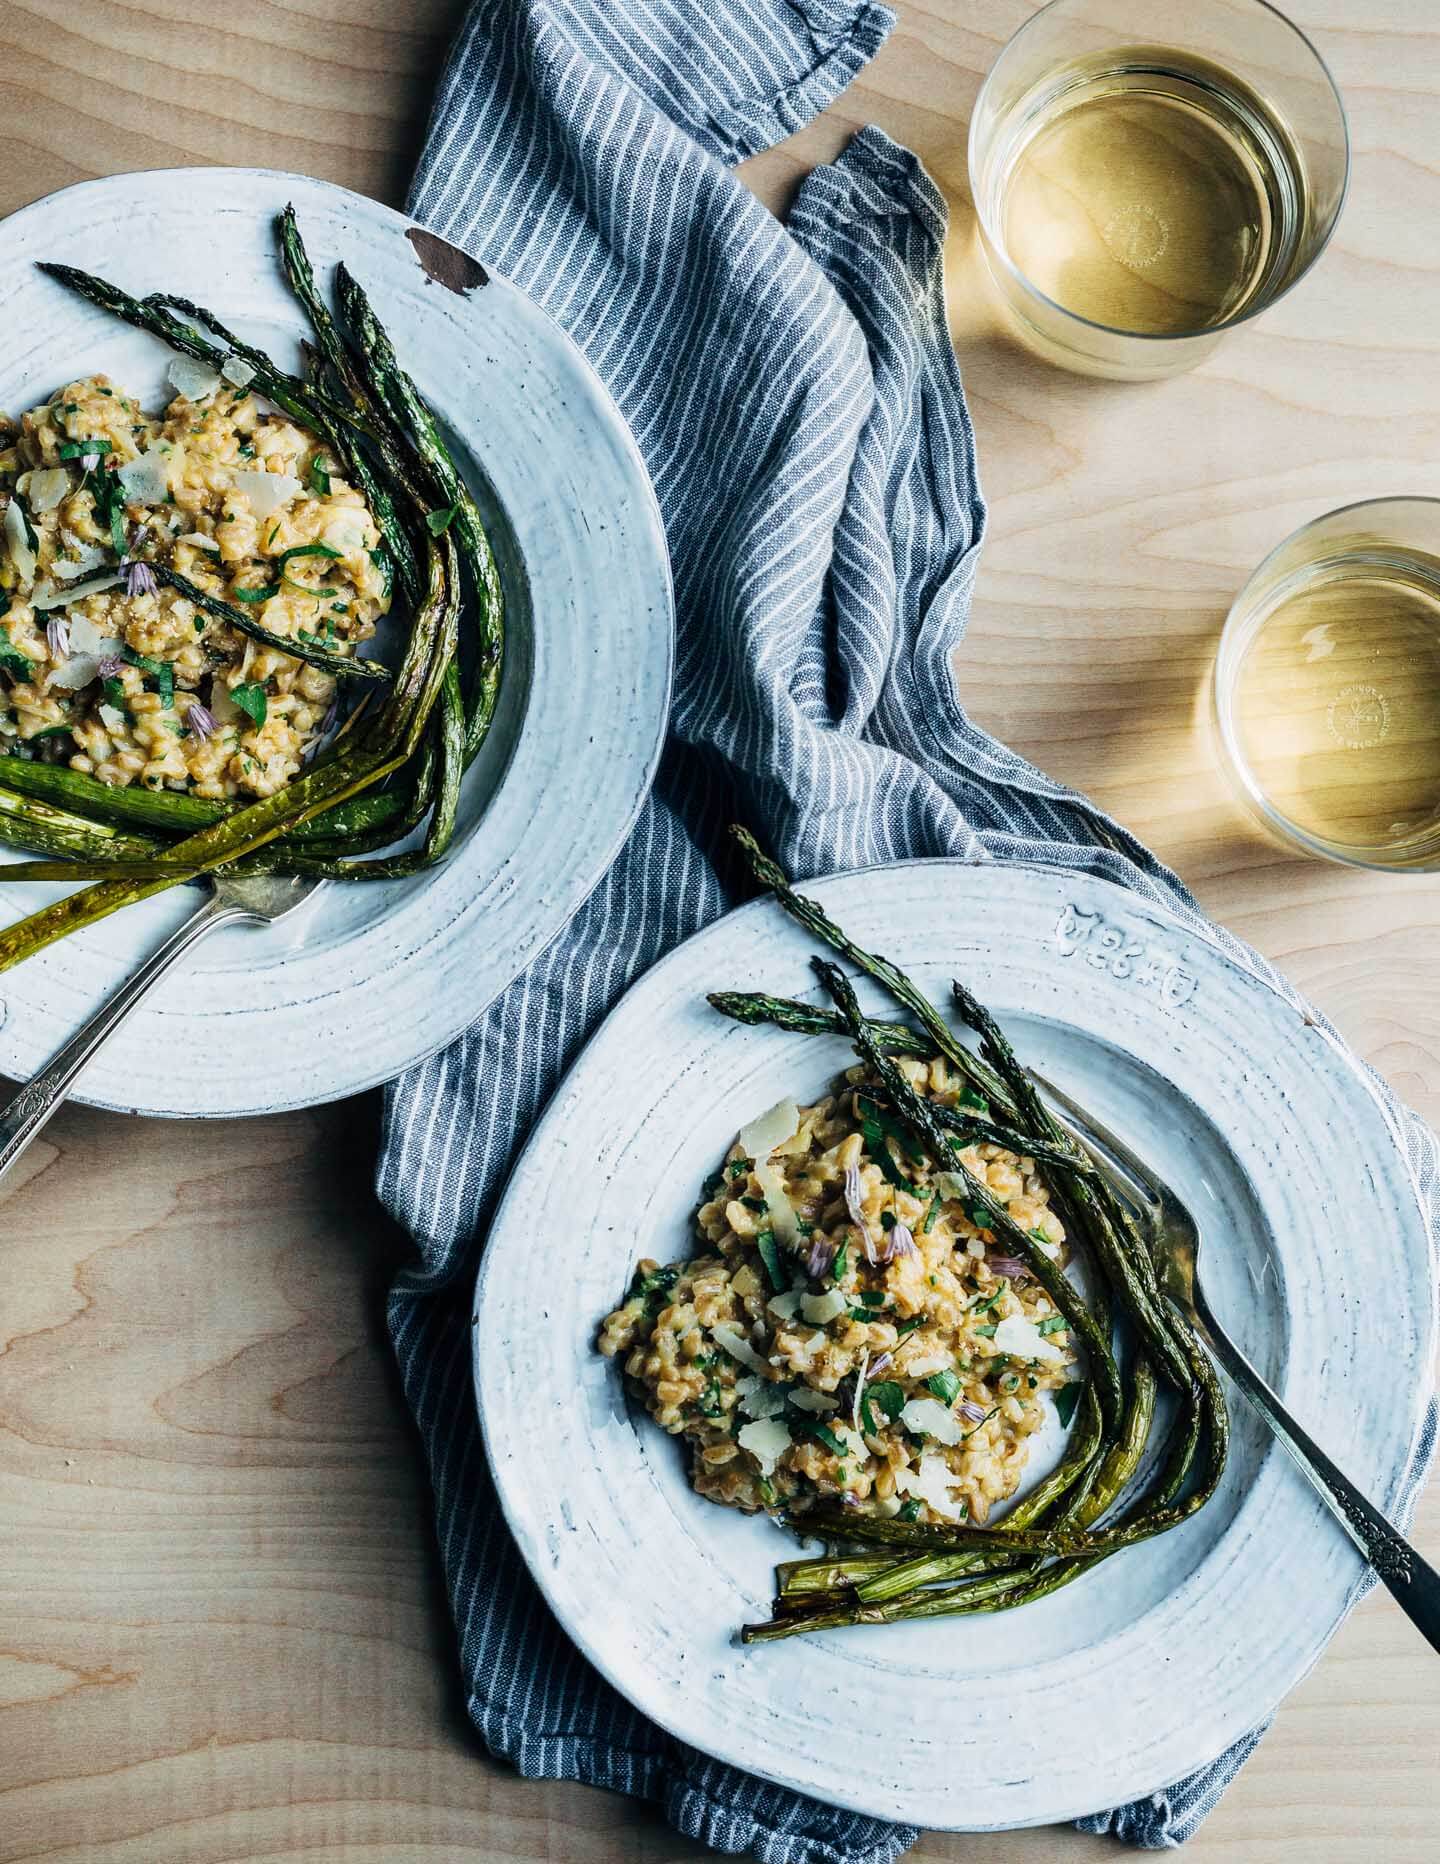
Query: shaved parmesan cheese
x=950, y=1185
x=923, y=1364
x=760, y=1138
x=192, y=379
x=818, y=1308
x=767, y=1440
x=731, y=1340
x=146, y=480
x=929, y=1417
x=931, y=1483
x=77, y=671
x=112, y=718
x=48, y=597
x=17, y=543
x=45, y=489
x=806, y=1400
x=235, y=369
x=266, y=491
x=199, y=540
x=86, y=638
x=223, y=708
x=1043, y=1242
x=855, y=1444
x=86, y=558
x=346, y=535
x=786, y=1306
x=1023, y=1339
x=760, y=1398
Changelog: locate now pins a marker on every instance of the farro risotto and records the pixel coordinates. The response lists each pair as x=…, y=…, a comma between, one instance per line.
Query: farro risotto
x=123, y=677
x=886, y=1355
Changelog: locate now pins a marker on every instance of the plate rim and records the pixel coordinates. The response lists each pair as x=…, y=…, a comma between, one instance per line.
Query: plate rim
x=1344, y=1058
x=602, y=857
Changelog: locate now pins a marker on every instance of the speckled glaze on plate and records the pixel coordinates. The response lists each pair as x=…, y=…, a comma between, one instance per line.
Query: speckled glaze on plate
x=377, y=976
x=1145, y=1668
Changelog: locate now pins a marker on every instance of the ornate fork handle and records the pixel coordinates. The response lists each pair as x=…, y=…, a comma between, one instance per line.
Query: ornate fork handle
x=1412, y=1581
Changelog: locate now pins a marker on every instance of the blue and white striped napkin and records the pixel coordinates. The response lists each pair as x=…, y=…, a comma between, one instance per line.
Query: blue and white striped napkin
x=798, y=402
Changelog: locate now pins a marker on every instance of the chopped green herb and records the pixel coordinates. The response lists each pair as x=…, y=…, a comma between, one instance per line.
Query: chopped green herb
x=755, y=1203
x=887, y=1219
x=767, y=1492
x=888, y=1395
x=931, y=1214
x=251, y=700
x=811, y=1426
x=770, y=1256
x=945, y=1385
x=437, y=522
x=981, y=1217
x=319, y=477
x=909, y=1511
x=653, y=1288
x=74, y=449
x=716, y=1179
x=1057, y=1323
x=309, y=550
x=738, y=1167
x=1066, y=1400
x=909, y=1326
x=873, y=1297
x=976, y=1102
x=986, y=1332
x=842, y=1256
x=256, y=595
x=114, y=693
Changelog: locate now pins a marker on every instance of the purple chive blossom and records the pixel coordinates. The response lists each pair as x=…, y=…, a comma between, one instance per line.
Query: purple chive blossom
x=857, y=1215
x=877, y=1366
x=822, y=1254
x=201, y=721
x=57, y=635
x=972, y=1412
x=110, y=666
x=899, y=1243
x=89, y=461
x=139, y=579
x=1007, y=1265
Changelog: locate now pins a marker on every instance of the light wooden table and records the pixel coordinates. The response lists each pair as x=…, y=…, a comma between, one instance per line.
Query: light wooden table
x=221, y=1634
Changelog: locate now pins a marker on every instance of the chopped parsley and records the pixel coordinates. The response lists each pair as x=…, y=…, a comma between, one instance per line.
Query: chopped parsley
x=986, y=1332
x=114, y=693
x=976, y=1102
x=256, y=595
x=887, y=1395
x=319, y=476
x=716, y=1179
x=1066, y=1400
x=1057, y=1323
x=653, y=1288
x=909, y=1511
x=770, y=1256
x=252, y=701
x=309, y=550
x=811, y=1426
x=76, y=449
x=945, y=1385
x=161, y=671
x=738, y=1167
x=931, y=1214
x=437, y=522
x=909, y=1326
x=755, y=1203
x=13, y=661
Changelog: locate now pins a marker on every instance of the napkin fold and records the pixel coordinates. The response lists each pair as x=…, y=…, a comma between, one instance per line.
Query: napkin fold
x=799, y=405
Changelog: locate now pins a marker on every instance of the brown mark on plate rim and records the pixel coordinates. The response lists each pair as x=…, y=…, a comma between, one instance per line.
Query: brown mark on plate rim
x=447, y=265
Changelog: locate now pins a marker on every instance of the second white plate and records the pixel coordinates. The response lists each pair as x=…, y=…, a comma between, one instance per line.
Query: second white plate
x=1147, y=1667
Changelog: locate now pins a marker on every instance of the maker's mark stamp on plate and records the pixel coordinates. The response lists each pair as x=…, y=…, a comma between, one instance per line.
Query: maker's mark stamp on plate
x=1110, y=948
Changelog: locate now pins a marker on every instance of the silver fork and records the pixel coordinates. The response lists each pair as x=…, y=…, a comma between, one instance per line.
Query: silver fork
x=260, y=898
x=1411, y=1580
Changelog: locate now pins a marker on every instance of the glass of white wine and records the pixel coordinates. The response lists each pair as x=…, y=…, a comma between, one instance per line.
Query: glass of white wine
x=1327, y=686
x=1149, y=173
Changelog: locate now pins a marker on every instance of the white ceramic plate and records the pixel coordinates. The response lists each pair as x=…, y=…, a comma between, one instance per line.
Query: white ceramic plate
x=1150, y=1665
x=376, y=976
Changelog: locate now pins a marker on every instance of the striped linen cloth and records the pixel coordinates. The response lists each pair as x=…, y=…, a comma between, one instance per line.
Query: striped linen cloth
x=798, y=402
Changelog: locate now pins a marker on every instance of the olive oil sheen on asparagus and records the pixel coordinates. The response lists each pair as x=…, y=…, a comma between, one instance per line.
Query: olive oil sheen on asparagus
x=1149, y=191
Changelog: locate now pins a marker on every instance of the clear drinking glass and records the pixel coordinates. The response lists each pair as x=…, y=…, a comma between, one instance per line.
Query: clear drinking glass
x=1327, y=686
x=1149, y=173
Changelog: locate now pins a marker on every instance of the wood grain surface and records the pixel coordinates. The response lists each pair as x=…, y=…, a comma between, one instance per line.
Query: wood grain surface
x=221, y=1633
